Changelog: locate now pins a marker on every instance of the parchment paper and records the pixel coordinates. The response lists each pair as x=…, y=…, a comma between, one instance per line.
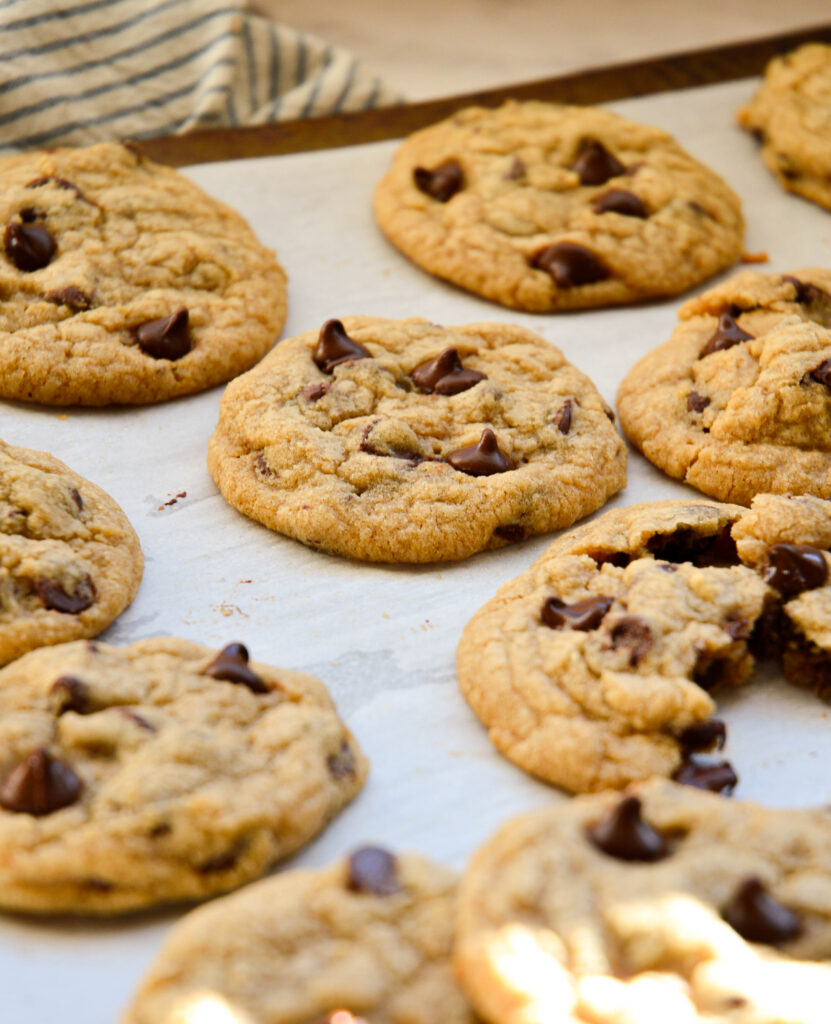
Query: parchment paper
x=382, y=638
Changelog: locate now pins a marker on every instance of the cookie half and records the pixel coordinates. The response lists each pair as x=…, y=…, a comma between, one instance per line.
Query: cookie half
x=790, y=115
x=599, y=665
x=738, y=401
x=71, y=561
x=664, y=904
x=159, y=772
x=544, y=207
x=123, y=282
x=368, y=939
x=405, y=441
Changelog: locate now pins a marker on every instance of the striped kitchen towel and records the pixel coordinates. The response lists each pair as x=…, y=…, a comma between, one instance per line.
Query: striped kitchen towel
x=74, y=72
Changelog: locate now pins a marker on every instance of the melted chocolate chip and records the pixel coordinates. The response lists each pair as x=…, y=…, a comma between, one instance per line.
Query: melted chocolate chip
x=445, y=374
x=585, y=615
x=334, y=346
x=633, y=633
x=595, y=165
x=374, y=871
x=70, y=296
x=625, y=835
x=314, y=392
x=618, y=200
x=793, y=568
x=619, y=559
x=759, y=917
x=29, y=214
x=704, y=736
x=716, y=777
x=512, y=532
x=806, y=293
x=562, y=418
x=29, y=246
x=231, y=664
x=39, y=784
x=165, y=338
x=696, y=402
x=481, y=459
x=56, y=598
x=727, y=334
x=822, y=374
x=686, y=545
x=442, y=183
x=570, y=264
x=71, y=695
x=342, y=764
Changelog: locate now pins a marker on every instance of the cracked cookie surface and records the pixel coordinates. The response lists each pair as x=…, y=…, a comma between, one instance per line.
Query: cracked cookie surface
x=738, y=401
x=791, y=116
x=123, y=282
x=298, y=948
x=544, y=207
x=596, y=666
x=70, y=562
x=159, y=772
x=727, y=921
x=381, y=455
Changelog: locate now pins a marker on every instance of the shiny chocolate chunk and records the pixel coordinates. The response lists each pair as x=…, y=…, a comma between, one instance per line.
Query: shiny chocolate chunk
x=696, y=402
x=445, y=374
x=727, y=334
x=570, y=264
x=585, y=615
x=334, y=346
x=618, y=200
x=822, y=374
x=29, y=246
x=71, y=695
x=759, y=917
x=483, y=458
x=342, y=764
x=625, y=835
x=562, y=417
x=687, y=545
x=70, y=296
x=704, y=736
x=56, y=598
x=806, y=293
x=39, y=784
x=633, y=633
x=231, y=664
x=595, y=165
x=793, y=568
x=715, y=777
x=441, y=183
x=373, y=870
x=165, y=338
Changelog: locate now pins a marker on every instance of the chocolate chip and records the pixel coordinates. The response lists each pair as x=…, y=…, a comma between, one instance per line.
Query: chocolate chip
x=625, y=835
x=445, y=374
x=313, y=392
x=585, y=615
x=806, y=293
x=516, y=170
x=793, y=568
x=704, y=736
x=374, y=871
x=716, y=777
x=221, y=861
x=633, y=633
x=342, y=764
x=696, y=402
x=570, y=264
x=29, y=214
x=71, y=695
x=39, y=784
x=727, y=334
x=512, y=532
x=759, y=917
x=70, y=296
x=334, y=346
x=737, y=627
x=483, y=458
x=687, y=545
x=619, y=559
x=618, y=200
x=562, y=418
x=595, y=165
x=442, y=183
x=822, y=374
x=231, y=664
x=165, y=338
x=29, y=246
x=56, y=598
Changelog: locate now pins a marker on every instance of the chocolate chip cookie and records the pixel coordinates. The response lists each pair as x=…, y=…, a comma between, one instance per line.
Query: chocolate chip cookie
x=665, y=904
x=738, y=401
x=405, y=441
x=70, y=562
x=790, y=116
x=365, y=940
x=124, y=282
x=158, y=772
x=599, y=664
x=544, y=207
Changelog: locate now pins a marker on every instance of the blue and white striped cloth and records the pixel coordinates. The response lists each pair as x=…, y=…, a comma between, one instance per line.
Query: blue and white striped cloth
x=80, y=71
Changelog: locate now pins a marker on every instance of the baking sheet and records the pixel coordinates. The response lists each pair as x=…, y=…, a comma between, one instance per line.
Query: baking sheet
x=382, y=638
